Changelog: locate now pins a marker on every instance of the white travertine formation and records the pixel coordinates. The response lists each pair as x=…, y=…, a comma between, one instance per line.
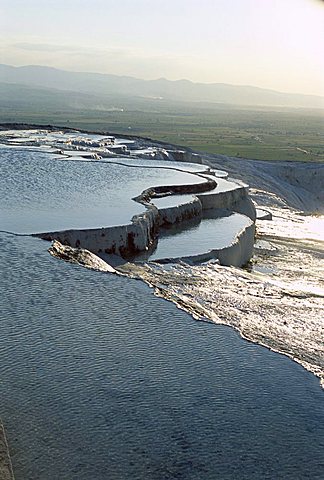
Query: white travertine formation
x=263, y=214
x=80, y=256
x=139, y=235
x=236, y=254
x=181, y=212
x=230, y=196
x=209, y=191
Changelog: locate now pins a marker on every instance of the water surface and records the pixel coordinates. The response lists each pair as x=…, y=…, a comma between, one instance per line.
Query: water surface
x=40, y=193
x=100, y=379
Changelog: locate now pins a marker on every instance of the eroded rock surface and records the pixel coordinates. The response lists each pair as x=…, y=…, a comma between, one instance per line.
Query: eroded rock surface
x=6, y=472
x=80, y=256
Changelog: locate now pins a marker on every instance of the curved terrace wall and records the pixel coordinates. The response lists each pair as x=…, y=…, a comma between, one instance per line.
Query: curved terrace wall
x=104, y=188
x=236, y=199
x=236, y=254
x=139, y=235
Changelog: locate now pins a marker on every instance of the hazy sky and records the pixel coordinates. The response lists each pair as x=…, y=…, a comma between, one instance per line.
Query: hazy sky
x=275, y=44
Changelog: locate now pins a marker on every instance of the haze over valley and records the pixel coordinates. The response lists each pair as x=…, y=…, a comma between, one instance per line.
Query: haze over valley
x=241, y=121
x=105, y=86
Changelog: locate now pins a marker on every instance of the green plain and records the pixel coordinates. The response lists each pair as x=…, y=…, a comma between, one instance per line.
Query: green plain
x=276, y=134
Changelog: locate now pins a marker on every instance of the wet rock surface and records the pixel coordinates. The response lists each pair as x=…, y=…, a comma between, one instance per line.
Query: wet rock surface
x=6, y=472
x=80, y=256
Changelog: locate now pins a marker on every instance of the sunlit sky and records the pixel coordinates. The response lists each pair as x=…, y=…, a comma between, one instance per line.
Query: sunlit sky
x=277, y=44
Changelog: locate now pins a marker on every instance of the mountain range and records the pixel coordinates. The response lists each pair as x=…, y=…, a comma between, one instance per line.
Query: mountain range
x=91, y=89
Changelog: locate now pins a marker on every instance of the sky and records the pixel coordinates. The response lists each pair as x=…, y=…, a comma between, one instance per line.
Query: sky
x=276, y=44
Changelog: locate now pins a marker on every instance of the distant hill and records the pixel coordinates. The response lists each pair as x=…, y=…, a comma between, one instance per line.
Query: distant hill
x=25, y=97
x=103, y=85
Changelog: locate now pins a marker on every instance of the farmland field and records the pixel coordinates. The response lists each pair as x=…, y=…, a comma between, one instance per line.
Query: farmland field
x=258, y=133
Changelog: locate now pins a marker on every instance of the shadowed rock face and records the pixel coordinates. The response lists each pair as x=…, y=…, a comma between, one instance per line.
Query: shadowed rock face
x=79, y=256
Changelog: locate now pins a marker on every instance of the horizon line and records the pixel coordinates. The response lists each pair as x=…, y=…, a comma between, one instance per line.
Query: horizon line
x=166, y=79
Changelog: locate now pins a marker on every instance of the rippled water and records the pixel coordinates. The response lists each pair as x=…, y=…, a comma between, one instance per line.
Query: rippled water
x=40, y=193
x=102, y=380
